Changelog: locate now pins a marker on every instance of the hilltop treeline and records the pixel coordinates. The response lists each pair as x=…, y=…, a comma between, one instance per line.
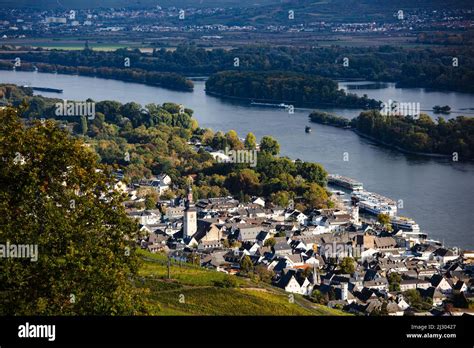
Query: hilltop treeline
x=298, y=89
x=421, y=135
x=409, y=67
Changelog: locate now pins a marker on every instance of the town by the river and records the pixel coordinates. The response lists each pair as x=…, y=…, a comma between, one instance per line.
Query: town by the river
x=436, y=192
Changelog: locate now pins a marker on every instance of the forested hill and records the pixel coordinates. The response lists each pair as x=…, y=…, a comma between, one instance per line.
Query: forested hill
x=281, y=87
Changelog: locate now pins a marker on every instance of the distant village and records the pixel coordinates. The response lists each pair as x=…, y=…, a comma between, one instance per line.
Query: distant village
x=331, y=256
x=24, y=23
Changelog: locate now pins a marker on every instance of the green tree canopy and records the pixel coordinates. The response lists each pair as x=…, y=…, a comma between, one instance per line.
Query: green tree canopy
x=246, y=264
x=384, y=219
x=53, y=195
x=246, y=180
x=280, y=198
x=270, y=242
x=316, y=196
x=313, y=172
x=233, y=140
x=250, y=141
x=347, y=265
x=270, y=145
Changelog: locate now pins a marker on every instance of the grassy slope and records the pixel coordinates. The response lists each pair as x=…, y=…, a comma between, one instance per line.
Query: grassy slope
x=201, y=297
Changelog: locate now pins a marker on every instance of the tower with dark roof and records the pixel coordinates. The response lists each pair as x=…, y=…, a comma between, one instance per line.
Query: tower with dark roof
x=190, y=216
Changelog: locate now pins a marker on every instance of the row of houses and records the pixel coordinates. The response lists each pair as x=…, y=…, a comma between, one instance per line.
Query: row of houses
x=303, y=252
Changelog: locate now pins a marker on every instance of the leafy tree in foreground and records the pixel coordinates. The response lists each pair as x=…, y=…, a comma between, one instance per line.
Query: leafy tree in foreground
x=264, y=274
x=394, y=278
x=233, y=140
x=53, y=195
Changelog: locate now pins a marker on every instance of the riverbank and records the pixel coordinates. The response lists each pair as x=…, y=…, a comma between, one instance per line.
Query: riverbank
x=170, y=81
x=385, y=144
x=394, y=147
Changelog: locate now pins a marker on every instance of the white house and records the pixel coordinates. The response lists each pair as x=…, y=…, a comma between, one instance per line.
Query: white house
x=220, y=156
x=253, y=249
x=444, y=255
x=377, y=284
x=320, y=229
x=146, y=217
x=296, y=215
x=259, y=201
x=367, y=253
x=160, y=184
x=402, y=303
x=408, y=284
x=295, y=260
x=296, y=284
x=441, y=284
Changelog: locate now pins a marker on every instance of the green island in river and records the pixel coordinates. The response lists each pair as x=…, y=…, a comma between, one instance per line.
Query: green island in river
x=420, y=135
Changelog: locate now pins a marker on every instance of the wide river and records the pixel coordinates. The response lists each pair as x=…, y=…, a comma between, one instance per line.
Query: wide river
x=437, y=193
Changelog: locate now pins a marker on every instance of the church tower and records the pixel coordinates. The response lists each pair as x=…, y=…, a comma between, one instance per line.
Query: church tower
x=316, y=275
x=190, y=217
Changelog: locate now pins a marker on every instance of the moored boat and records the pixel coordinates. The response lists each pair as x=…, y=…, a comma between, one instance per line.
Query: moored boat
x=405, y=224
x=345, y=182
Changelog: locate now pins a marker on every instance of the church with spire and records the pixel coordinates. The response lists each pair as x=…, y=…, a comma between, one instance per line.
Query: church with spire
x=200, y=233
x=190, y=216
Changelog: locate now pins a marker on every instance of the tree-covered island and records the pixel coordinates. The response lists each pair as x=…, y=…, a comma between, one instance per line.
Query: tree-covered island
x=299, y=90
x=453, y=137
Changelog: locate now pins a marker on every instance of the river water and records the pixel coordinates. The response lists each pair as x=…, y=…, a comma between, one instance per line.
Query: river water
x=437, y=193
